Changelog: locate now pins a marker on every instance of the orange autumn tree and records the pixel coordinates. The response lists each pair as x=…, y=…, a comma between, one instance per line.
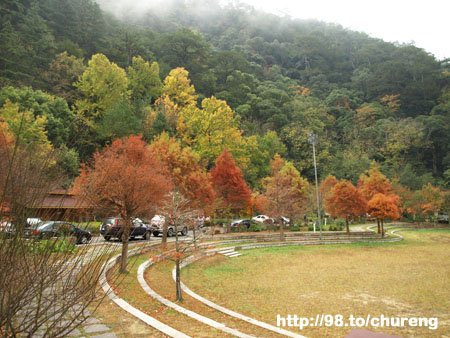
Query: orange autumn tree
x=187, y=175
x=124, y=179
x=233, y=193
x=384, y=206
x=6, y=144
x=374, y=182
x=431, y=199
x=345, y=200
x=259, y=202
x=285, y=191
x=326, y=185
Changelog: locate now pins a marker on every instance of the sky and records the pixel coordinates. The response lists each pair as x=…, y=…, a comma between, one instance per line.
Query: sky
x=425, y=23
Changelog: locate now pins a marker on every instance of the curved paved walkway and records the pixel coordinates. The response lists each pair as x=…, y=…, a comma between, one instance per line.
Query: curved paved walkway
x=192, y=314
x=235, y=314
x=171, y=332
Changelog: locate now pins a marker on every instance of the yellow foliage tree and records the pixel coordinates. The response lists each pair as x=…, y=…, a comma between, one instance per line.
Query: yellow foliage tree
x=177, y=94
x=102, y=85
x=212, y=129
x=27, y=130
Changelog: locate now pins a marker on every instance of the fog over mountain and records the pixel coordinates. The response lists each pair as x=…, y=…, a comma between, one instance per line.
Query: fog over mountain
x=399, y=22
x=127, y=10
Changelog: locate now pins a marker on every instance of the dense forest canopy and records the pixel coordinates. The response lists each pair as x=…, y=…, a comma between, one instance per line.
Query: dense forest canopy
x=82, y=69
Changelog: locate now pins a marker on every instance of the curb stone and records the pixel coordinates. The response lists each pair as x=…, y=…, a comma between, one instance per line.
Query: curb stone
x=189, y=313
x=170, y=331
x=233, y=313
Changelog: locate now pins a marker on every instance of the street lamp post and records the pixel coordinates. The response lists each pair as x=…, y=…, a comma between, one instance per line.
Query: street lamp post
x=313, y=140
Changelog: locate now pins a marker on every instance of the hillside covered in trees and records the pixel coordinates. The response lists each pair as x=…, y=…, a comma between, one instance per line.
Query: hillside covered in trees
x=85, y=77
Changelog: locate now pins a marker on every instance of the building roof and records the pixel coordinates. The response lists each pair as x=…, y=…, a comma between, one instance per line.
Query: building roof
x=61, y=199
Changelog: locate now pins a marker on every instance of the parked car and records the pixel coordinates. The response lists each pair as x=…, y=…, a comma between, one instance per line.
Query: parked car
x=113, y=227
x=58, y=229
x=262, y=219
x=33, y=221
x=443, y=217
x=241, y=223
x=285, y=220
x=157, y=227
x=7, y=229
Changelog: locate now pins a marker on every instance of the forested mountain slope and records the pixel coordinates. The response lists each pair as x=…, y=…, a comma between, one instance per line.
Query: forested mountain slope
x=365, y=99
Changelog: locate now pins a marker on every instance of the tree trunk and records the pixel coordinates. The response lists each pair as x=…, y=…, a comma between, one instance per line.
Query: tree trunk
x=124, y=256
x=164, y=234
x=178, y=280
x=195, y=235
x=346, y=225
x=382, y=228
x=177, y=266
x=282, y=238
x=378, y=225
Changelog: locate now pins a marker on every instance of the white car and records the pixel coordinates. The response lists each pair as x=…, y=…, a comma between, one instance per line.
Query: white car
x=157, y=226
x=33, y=221
x=443, y=217
x=262, y=219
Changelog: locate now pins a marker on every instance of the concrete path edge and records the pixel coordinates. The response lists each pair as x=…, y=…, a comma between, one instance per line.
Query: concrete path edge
x=205, y=320
x=170, y=331
x=233, y=313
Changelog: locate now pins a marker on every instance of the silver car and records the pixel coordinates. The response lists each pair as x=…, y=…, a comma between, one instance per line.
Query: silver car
x=157, y=227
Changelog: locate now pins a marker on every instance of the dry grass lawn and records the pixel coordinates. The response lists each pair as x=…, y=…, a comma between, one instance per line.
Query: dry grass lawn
x=159, y=277
x=409, y=278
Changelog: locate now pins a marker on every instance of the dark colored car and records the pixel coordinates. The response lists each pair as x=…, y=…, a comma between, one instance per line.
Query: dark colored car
x=241, y=223
x=113, y=227
x=58, y=229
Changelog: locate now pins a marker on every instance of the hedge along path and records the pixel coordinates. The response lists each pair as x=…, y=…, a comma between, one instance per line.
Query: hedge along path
x=170, y=331
x=176, y=307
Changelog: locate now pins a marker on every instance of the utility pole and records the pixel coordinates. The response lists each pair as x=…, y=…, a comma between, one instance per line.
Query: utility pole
x=312, y=138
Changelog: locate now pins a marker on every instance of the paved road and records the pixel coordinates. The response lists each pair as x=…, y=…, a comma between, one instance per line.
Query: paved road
x=100, y=240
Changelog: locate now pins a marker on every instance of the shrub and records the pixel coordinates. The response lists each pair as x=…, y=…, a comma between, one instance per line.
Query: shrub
x=337, y=226
x=219, y=221
x=256, y=227
x=63, y=245
x=93, y=227
x=295, y=227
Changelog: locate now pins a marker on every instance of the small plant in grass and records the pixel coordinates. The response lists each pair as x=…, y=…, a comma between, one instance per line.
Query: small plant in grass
x=179, y=209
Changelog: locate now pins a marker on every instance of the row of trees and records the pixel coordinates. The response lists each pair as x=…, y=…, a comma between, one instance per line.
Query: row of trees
x=168, y=115
x=376, y=196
